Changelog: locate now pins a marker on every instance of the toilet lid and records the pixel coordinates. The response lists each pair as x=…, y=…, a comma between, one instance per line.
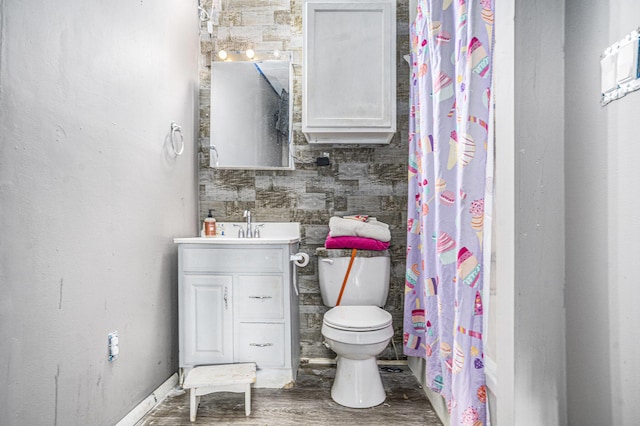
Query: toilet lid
x=357, y=318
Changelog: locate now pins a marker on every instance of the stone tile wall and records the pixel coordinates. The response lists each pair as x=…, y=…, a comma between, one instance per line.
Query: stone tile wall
x=360, y=180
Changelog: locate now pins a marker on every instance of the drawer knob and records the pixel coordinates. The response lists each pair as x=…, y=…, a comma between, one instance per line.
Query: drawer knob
x=261, y=345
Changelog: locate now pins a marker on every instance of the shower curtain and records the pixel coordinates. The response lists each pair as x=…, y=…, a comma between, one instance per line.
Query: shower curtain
x=450, y=152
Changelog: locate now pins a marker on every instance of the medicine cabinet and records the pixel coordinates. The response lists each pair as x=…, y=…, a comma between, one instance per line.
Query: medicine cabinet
x=251, y=107
x=349, y=88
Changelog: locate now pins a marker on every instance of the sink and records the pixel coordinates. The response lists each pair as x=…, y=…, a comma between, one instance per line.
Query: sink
x=270, y=233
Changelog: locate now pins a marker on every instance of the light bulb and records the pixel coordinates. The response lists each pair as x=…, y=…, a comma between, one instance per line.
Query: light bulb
x=222, y=55
x=276, y=53
x=250, y=53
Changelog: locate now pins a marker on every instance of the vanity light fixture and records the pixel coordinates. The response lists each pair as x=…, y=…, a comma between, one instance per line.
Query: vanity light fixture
x=225, y=53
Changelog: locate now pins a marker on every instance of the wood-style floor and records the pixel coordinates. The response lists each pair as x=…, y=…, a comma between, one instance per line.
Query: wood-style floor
x=308, y=402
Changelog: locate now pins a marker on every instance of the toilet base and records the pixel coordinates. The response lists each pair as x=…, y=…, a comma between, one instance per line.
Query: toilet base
x=357, y=383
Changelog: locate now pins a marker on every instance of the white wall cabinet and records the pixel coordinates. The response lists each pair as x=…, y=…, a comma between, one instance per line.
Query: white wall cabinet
x=349, y=85
x=237, y=304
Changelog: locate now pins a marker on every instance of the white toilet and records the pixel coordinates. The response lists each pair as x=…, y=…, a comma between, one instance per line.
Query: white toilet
x=358, y=330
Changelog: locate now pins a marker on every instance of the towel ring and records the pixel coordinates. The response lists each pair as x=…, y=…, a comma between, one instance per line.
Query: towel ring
x=176, y=133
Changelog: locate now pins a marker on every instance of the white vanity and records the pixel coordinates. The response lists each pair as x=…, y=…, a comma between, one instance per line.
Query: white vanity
x=238, y=302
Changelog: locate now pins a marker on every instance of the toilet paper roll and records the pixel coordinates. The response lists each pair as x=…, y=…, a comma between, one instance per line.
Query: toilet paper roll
x=300, y=259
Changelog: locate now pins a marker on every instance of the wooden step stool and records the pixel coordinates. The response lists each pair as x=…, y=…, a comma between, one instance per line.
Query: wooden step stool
x=220, y=378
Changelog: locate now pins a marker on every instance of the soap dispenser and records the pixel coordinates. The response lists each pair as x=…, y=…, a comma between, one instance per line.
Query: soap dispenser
x=209, y=225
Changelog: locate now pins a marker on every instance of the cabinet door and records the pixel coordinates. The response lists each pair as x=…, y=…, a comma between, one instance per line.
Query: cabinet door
x=349, y=86
x=206, y=321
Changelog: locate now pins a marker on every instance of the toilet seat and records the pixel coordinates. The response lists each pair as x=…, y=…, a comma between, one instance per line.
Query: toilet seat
x=356, y=337
x=357, y=318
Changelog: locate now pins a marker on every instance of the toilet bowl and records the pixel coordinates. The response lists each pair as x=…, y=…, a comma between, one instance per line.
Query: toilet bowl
x=357, y=334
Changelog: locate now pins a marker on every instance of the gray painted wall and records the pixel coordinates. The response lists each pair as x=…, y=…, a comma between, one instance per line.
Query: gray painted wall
x=540, y=390
x=623, y=230
x=602, y=178
x=90, y=199
x=587, y=176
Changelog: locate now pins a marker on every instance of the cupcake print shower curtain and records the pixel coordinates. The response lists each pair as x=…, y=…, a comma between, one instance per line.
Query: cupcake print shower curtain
x=450, y=152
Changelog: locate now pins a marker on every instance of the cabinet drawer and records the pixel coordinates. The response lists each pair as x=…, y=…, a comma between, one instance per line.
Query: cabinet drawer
x=259, y=297
x=260, y=343
x=232, y=260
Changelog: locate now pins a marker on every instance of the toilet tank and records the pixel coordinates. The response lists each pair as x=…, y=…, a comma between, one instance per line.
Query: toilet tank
x=368, y=282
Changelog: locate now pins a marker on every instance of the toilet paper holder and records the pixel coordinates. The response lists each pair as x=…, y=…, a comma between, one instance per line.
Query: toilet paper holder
x=300, y=259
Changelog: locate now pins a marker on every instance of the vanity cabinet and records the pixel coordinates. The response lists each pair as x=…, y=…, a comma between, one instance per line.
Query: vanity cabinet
x=237, y=303
x=349, y=84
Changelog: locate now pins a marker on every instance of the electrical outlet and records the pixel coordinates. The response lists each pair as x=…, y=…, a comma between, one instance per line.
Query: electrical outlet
x=608, y=73
x=620, y=68
x=114, y=346
x=324, y=160
x=627, y=60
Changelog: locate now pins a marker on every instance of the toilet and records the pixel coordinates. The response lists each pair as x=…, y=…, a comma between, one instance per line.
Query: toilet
x=359, y=329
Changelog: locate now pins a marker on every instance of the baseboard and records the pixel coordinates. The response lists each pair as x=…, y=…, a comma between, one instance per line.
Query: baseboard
x=149, y=402
x=332, y=361
x=491, y=376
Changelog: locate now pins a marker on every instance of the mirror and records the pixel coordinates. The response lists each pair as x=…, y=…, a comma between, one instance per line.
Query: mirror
x=251, y=111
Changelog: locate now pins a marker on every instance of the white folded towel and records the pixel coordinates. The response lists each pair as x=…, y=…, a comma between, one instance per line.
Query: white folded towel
x=339, y=227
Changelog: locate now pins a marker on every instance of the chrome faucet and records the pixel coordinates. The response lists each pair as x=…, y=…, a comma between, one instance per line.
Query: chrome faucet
x=240, y=230
x=249, y=232
x=256, y=230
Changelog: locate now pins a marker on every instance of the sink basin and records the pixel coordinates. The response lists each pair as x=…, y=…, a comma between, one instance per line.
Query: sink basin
x=270, y=233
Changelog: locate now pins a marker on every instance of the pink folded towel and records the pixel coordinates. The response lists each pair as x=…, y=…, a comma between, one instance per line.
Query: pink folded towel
x=360, y=243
